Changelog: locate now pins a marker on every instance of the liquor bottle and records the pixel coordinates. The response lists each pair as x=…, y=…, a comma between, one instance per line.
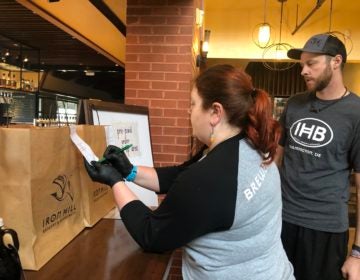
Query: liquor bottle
x=3, y=80
x=22, y=84
x=13, y=82
x=31, y=85
x=26, y=85
x=8, y=81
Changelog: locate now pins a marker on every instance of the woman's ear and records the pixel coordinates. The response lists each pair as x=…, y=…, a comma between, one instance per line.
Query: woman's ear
x=217, y=112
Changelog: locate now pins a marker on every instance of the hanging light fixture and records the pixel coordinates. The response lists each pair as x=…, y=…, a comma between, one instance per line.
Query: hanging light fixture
x=278, y=51
x=263, y=37
x=264, y=34
x=345, y=37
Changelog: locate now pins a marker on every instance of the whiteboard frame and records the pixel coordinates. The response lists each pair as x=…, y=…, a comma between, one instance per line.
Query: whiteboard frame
x=89, y=108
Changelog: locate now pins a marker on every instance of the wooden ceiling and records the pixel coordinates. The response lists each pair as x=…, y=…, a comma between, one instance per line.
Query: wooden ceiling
x=45, y=45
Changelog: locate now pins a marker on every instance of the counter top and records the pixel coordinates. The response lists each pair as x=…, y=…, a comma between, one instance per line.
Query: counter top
x=103, y=252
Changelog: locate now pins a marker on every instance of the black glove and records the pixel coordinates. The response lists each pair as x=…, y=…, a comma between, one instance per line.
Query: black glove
x=118, y=159
x=103, y=173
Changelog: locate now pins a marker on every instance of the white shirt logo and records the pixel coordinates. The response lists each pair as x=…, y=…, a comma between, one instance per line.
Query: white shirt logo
x=312, y=133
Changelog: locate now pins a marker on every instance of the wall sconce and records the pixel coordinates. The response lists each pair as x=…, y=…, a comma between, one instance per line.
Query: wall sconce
x=199, y=17
x=204, y=49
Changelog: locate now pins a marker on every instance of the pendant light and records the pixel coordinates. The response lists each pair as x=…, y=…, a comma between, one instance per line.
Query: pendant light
x=278, y=51
x=263, y=37
x=345, y=37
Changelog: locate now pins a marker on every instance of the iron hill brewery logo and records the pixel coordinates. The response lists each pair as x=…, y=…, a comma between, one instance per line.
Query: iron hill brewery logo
x=63, y=194
x=64, y=188
x=311, y=133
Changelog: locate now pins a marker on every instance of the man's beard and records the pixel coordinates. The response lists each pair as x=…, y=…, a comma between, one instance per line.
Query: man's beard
x=324, y=79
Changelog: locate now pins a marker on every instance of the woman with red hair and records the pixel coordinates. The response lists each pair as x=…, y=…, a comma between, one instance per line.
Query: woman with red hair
x=223, y=206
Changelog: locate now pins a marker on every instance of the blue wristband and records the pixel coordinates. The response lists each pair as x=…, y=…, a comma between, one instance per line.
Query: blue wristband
x=132, y=175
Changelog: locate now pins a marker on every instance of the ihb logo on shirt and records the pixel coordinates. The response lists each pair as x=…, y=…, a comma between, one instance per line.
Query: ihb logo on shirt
x=312, y=133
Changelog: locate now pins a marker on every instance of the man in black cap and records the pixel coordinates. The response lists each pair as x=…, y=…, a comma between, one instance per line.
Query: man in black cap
x=319, y=148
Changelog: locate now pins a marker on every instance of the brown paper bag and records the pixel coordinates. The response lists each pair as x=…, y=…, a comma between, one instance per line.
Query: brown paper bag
x=40, y=192
x=97, y=199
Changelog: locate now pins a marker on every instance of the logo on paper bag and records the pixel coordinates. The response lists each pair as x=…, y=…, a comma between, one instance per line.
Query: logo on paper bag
x=62, y=184
x=62, y=191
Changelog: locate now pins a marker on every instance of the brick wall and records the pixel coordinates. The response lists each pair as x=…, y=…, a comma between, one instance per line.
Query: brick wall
x=160, y=64
x=161, y=46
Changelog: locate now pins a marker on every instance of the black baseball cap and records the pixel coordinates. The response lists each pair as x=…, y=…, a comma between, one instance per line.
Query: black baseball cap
x=322, y=44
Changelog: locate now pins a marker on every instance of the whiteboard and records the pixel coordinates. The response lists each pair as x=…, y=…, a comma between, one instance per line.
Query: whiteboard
x=127, y=124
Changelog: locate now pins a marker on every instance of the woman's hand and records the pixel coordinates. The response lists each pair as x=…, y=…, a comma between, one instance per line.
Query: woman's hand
x=119, y=160
x=103, y=173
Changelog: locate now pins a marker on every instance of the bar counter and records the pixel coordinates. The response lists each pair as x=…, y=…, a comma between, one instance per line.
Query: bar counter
x=103, y=252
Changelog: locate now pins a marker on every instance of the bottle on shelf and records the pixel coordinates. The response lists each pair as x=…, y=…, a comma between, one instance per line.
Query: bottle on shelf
x=31, y=85
x=13, y=82
x=8, y=80
x=22, y=84
x=27, y=85
x=3, y=80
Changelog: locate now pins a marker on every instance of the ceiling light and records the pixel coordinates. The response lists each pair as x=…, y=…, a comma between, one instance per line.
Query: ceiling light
x=277, y=51
x=263, y=36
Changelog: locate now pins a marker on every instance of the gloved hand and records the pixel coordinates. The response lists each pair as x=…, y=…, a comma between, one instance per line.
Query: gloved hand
x=103, y=173
x=119, y=160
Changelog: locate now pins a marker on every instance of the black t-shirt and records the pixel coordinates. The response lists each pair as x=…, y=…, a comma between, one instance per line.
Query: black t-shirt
x=321, y=147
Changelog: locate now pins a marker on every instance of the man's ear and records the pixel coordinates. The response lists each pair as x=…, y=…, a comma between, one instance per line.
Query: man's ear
x=337, y=61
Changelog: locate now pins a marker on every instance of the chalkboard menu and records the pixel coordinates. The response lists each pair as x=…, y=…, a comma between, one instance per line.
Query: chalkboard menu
x=23, y=107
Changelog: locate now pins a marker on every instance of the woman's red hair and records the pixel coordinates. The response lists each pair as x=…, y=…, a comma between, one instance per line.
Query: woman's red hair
x=262, y=129
x=247, y=108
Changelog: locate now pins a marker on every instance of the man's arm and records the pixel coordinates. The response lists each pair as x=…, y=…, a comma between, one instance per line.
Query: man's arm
x=279, y=157
x=351, y=267
x=357, y=230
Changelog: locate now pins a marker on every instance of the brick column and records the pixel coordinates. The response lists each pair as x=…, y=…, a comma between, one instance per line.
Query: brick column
x=160, y=64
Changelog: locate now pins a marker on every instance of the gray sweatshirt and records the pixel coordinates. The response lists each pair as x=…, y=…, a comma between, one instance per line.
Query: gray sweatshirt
x=223, y=209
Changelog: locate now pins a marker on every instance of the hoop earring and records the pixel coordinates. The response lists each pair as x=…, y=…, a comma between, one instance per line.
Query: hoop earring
x=212, y=136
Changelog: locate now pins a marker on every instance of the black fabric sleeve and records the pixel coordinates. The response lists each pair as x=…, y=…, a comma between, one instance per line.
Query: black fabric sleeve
x=201, y=200
x=166, y=175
